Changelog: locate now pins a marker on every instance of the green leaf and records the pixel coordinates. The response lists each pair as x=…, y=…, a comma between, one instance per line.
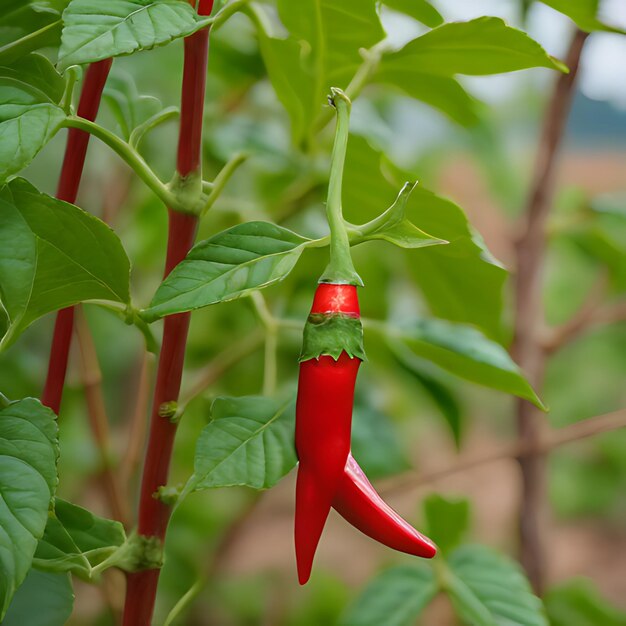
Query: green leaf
x=53, y=255
x=29, y=449
x=327, y=38
x=375, y=443
x=76, y=540
x=129, y=107
x=394, y=227
x=584, y=13
x=604, y=246
x=96, y=30
x=226, y=266
x=435, y=383
x=443, y=93
x=293, y=87
x=479, y=47
x=29, y=116
x=467, y=353
x=249, y=441
x=600, y=232
x=578, y=603
x=461, y=281
x=489, y=589
x=394, y=598
x=43, y=599
x=28, y=26
x=447, y=520
x=421, y=10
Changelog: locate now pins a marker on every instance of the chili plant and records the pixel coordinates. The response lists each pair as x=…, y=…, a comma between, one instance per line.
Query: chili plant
x=59, y=75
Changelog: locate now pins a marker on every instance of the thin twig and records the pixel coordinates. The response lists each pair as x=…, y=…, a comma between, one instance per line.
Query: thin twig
x=521, y=449
x=527, y=349
x=221, y=363
x=221, y=180
x=138, y=423
x=98, y=421
x=589, y=316
x=270, y=324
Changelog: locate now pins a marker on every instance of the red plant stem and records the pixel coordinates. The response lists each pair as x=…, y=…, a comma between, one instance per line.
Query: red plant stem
x=71, y=173
x=153, y=513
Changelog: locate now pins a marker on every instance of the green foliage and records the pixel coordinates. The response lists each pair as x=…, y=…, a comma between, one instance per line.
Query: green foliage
x=75, y=540
x=387, y=457
x=421, y=10
x=443, y=93
x=26, y=26
x=30, y=90
x=94, y=30
x=228, y=265
x=129, y=107
x=65, y=256
x=425, y=67
x=325, y=601
x=29, y=449
x=489, y=589
x=484, y=587
x=43, y=599
x=447, y=521
x=394, y=598
x=479, y=47
x=321, y=52
x=461, y=281
x=435, y=384
x=467, y=353
x=584, y=13
x=578, y=603
x=598, y=228
x=249, y=441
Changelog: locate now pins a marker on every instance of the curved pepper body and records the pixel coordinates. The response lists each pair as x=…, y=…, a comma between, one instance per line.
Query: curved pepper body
x=323, y=427
x=328, y=475
x=359, y=503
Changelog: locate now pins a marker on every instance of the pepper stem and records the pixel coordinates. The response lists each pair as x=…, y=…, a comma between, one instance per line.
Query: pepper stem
x=340, y=270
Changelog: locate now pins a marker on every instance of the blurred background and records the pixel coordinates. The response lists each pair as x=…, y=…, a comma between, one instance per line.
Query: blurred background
x=410, y=415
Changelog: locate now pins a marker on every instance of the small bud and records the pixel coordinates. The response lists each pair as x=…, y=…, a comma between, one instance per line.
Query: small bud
x=170, y=411
x=166, y=494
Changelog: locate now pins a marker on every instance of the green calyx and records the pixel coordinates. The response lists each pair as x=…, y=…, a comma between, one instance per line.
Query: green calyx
x=330, y=335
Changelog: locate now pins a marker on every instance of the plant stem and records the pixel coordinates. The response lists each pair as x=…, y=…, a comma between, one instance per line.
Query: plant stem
x=71, y=172
x=527, y=349
x=230, y=9
x=271, y=342
x=129, y=155
x=221, y=363
x=222, y=179
x=137, y=135
x=138, y=422
x=371, y=60
x=340, y=270
x=153, y=513
x=183, y=604
x=550, y=440
x=92, y=383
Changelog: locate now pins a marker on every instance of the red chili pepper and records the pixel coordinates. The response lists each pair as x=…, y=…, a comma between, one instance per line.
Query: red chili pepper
x=328, y=475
